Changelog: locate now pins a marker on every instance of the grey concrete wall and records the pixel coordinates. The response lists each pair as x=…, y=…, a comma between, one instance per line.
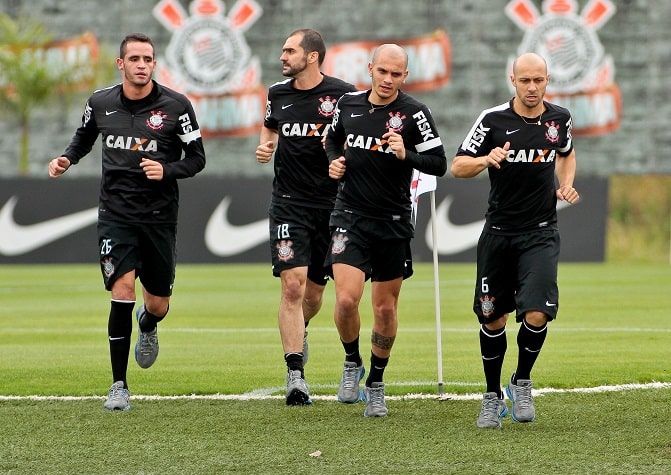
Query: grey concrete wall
x=482, y=38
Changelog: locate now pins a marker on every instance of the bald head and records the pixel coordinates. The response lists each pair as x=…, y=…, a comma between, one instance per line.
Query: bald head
x=529, y=61
x=390, y=51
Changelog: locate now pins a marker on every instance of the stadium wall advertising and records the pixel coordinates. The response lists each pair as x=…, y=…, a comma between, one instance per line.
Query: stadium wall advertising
x=224, y=220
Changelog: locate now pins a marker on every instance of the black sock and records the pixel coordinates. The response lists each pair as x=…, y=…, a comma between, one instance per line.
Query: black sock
x=294, y=362
x=493, y=346
x=377, y=367
x=148, y=321
x=530, y=340
x=352, y=352
x=119, y=330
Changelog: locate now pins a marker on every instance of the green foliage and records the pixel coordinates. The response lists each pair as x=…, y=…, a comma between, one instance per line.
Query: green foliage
x=27, y=79
x=639, y=221
x=221, y=338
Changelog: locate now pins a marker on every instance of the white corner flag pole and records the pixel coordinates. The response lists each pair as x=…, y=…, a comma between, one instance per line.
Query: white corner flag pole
x=436, y=285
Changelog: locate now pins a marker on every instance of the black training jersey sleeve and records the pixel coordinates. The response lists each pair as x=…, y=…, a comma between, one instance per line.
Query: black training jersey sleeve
x=302, y=119
x=522, y=196
x=160, y=127
x=376, y=183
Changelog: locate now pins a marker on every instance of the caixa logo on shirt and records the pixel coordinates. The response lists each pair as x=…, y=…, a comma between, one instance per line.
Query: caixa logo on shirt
x=137, y=144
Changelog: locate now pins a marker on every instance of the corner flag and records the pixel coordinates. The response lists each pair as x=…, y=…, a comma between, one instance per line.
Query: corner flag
x=420, y=184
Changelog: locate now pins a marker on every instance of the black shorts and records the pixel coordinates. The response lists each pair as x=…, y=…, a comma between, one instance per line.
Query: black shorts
x=299, y=237
x=372, y=246
x=147, y=248
x=517, y=273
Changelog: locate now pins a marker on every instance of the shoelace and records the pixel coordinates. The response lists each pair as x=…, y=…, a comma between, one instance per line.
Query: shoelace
x=115, y=391
x=523, y=396
x=376, y=397
x=350, y=377
x=490, y=409
x=148, y=341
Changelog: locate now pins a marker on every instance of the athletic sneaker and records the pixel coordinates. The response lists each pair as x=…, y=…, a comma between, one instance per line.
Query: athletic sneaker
x=297, y=389
x=493, y=410
x=118, y=399
x=146, y=348
x=374, y=397
x=523, y=400
x=348, y=392
x=305, y=348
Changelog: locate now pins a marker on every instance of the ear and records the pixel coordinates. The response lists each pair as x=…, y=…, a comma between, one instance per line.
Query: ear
x=119, y=64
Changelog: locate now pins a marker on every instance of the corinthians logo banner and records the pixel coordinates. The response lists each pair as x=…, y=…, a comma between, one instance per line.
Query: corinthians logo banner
x=209, y=60
x=582, y=75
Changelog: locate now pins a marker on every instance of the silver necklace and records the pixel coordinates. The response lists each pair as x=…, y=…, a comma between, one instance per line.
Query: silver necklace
x=373, y=108
x=535, y=122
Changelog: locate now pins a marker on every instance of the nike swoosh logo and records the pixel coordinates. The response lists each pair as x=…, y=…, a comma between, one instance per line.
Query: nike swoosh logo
x=548, y=304
x=356, y=115
x=115, y=338
x=17, y=239
x=225, y=239
x=508, y=132
x=456, y=238
x=489, y=359
x=110, y=112
x=286, y=106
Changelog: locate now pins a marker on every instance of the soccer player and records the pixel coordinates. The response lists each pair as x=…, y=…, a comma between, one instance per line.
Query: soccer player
x=378, y=137
x=146, y=128
x=298, y=114
x=522, y=144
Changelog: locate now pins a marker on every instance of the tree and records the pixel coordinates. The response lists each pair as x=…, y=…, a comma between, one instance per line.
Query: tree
x=27, y=78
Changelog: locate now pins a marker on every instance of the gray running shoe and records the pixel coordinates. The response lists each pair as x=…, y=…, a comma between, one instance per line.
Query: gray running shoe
x=348, y=392
x=305, y=348
x=118, y=399
x=374, y=397
x=297, y=390
x=523, y=400
x=146, y=348
x=493, y=410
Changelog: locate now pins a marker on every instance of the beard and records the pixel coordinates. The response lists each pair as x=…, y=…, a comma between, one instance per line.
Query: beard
x=295, y=70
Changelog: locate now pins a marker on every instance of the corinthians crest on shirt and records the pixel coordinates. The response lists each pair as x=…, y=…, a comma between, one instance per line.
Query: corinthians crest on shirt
x=395, y=121
x=155, y=122
x=327, y=106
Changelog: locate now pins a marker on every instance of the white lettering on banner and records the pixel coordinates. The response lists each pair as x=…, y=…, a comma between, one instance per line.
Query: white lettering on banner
x=591, y=110
x=426, y=62
x=429, y=61
x=229, y=113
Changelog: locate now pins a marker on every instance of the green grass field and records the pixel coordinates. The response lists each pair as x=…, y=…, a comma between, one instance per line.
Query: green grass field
x=213, y=402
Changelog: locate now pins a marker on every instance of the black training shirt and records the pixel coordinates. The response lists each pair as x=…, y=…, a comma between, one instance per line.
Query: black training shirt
x=302, y=118
x=376, y=183
x=523, y=191
x=159, y=127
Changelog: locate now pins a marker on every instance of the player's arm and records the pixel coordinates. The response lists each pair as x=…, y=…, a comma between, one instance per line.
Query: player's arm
x=268, y=139
x=80, y=145
x=466, y=166
x=188, y=132
x=565, y=168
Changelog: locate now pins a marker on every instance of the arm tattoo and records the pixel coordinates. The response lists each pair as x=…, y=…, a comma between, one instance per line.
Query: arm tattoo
x=381, y=341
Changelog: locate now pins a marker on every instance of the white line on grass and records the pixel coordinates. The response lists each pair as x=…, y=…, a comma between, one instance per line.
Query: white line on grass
x=262, y=395
x=445, y=330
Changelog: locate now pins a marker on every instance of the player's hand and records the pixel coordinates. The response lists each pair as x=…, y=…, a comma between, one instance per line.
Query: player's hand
x=568, y=194
x=264, y=152
x=337, y=168
x=153, y=170
x=395, y=141
x=497, y=155
x=58, y=166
